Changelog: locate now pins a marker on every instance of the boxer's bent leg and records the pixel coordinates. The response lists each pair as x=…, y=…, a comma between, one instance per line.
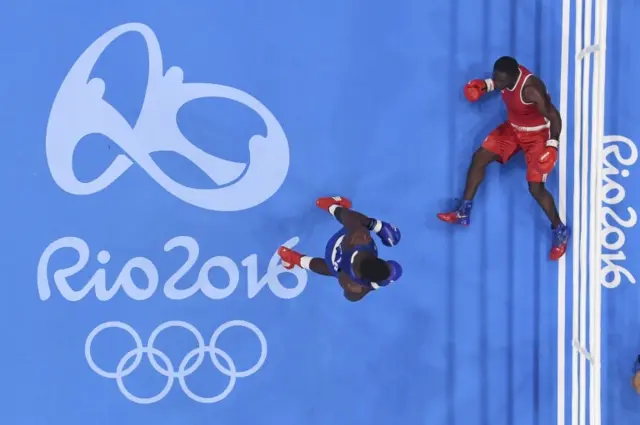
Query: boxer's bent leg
x=316, y=265
x=475, y=174
x=340, y=208
x=349, y=218
x=546, y=201
x=499, y=145
x=533, y=146
x=291, y=258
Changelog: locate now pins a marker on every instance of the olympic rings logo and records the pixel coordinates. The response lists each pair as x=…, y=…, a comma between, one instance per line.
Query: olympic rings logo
x=122, y=370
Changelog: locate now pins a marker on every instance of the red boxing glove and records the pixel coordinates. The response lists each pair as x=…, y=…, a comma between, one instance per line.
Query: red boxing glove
x=547, y=160
x=476, y=88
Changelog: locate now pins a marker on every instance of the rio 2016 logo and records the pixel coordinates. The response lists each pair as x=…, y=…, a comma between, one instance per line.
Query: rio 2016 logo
x=79, y=110
x=130, y=361
x=613, y=237
x=145, y=290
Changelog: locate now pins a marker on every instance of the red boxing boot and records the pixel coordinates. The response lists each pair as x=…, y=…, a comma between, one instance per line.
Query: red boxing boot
x=290, y=258
x=326, y=203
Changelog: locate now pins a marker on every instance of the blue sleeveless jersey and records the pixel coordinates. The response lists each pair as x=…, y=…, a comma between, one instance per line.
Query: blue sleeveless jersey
x=340, y=260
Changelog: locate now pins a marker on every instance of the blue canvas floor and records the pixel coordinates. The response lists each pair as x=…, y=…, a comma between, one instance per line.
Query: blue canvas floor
x=143, y=205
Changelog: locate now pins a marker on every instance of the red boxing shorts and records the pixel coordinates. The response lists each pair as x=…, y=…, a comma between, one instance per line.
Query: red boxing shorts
x=505, y=141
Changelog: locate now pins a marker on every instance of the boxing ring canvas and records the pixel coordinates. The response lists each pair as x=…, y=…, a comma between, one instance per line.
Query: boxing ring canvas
x=157, y=154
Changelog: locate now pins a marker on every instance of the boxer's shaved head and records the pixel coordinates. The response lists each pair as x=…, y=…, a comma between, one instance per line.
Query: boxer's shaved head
x=375, y=269
x=505, y=72
x=507, y=65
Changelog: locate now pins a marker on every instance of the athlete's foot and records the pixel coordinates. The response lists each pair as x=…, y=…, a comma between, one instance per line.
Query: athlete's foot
x=290, y=258
x=325, y=203
x=561, y=236
x=461, y=216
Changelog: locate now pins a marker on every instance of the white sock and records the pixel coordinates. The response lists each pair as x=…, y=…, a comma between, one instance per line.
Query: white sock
x=305, y=262
x=333, y=208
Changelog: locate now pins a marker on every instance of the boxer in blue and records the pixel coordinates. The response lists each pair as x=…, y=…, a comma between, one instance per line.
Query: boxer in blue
x=351, y=254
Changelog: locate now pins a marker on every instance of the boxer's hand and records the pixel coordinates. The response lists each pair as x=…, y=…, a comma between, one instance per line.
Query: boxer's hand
x=476, y=88
x=636, y=382
x=547, y=160
x=388, y=233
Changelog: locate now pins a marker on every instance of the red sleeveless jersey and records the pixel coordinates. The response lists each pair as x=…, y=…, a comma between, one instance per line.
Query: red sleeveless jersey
x=520, y=113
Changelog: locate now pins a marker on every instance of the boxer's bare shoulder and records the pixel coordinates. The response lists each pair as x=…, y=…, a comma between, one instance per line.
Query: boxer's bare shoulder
x=535, y=91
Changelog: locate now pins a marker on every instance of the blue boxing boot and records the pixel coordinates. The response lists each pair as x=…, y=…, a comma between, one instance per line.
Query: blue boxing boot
x=460, y=216
x=561, y=236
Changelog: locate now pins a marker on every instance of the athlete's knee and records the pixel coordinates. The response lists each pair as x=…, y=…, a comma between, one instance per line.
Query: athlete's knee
x=354, y=296
x=483, y=157
x=537, y=189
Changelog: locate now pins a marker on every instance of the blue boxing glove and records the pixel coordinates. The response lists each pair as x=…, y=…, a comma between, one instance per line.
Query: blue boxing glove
x=388, y=233
x=396, y=273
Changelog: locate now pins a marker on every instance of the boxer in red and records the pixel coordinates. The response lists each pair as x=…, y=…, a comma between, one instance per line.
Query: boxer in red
x=533, y=126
